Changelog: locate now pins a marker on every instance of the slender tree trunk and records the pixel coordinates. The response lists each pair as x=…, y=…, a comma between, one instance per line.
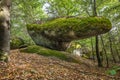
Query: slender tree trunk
x=116, y=50
x=115, y=47
x=97, y=52
x=94, y=8
x=118, y=32
x=4, y=29
x=105, y=51
x=92, y=50
x=111, y=49
x=96, y=38
x=101, y=55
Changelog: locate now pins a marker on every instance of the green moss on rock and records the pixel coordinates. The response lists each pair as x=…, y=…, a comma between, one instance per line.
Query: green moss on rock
x=72, y=28
x=16, y=42
x=4, y=56
x=58, y=33
x=75, y=24
x=48, y=52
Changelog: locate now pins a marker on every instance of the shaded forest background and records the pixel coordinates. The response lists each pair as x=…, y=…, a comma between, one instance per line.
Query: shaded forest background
x=41, y=31
x=38, y=11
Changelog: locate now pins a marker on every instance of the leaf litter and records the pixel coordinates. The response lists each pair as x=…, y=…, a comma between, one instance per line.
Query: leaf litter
x=24, y=66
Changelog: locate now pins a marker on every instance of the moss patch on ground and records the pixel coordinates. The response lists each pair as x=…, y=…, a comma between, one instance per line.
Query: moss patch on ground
x=48, y=52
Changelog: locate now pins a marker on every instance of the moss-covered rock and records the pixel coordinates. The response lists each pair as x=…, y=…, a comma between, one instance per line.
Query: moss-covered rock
x=58, y=33
x=49, y=53
x=16, y=42
x=4, y=56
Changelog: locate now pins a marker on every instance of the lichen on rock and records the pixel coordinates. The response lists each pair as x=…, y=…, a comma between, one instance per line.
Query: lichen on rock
x=58, y=33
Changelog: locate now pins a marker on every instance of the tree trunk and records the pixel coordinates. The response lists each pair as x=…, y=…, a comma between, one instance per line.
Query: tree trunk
x=93, y=56
x=97, y=52
x=111, y=49
x=96, y=38
x=115, y=45
x=4, y=29
x=107, y=61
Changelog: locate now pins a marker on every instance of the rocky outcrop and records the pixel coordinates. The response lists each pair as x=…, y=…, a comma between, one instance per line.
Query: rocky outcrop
x=58, y=33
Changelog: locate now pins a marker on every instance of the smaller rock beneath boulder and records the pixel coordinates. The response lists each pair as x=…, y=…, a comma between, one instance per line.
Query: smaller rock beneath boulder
x=16, y=42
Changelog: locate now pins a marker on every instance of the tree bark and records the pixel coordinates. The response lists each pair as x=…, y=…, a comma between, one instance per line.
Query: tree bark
x=96, y=37
x=111, y=49
x=107, y=60
x=92, y=50
x=4, y=29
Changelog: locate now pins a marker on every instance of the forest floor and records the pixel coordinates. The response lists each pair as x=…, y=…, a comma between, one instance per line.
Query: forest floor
x=24, y=66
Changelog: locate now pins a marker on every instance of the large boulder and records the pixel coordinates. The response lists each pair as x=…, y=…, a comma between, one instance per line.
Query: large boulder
x=58, y=33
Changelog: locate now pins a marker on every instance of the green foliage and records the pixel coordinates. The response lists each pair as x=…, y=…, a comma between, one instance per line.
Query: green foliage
x=23, y=12
x=73, y=45
x=4, y=56
x=113, y=70
x=27, y=10
x=48, y=52
x=58, y=8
